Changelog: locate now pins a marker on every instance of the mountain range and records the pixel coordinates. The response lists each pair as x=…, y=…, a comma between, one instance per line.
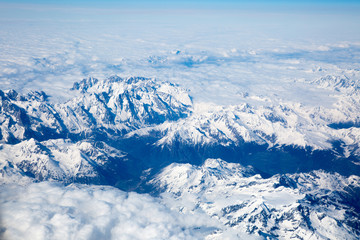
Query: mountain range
x=281, y=170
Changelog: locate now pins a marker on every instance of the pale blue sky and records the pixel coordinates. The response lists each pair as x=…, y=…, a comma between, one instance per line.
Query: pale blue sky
x=187, y=3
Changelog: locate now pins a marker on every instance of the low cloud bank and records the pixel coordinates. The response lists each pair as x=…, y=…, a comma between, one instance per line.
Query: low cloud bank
x=52, y=211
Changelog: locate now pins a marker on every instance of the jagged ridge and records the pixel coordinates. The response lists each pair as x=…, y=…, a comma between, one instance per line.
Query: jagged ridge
x=317, y=205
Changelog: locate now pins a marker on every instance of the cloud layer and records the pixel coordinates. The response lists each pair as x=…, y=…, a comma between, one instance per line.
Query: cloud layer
x=51, y=211
x=218, y=55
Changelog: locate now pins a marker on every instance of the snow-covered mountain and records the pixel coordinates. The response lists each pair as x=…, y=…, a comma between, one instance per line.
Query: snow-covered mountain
x=154, y=123
x=315, y=205
x=112, y=106
x=299, y=168
x=341, y=83
x=228, y=120
x=124, y=104
x=275, y=125
x=77, y=141
x=68, y=162
x=30, y=116
x=146, y=107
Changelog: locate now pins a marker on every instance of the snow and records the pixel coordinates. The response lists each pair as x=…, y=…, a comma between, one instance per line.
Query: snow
x=278, y=75
x=231, y=194
x=288, y=123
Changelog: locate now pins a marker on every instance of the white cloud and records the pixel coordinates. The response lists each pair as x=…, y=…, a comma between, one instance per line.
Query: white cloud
x=198, y=50
x=52, y=211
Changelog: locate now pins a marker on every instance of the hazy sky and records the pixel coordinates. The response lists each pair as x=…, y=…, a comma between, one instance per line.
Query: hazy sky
x=205, y=4
x=332, y=20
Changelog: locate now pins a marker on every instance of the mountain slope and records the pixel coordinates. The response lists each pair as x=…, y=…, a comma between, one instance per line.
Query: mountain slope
x=316, y=205
x=154, y=123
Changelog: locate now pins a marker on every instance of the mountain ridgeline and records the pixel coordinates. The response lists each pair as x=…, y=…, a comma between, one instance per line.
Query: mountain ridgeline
x=279, y=171
x=123, y=131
